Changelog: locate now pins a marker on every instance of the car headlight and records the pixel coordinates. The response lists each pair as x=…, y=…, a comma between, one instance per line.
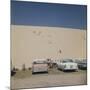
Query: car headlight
x=64, y=66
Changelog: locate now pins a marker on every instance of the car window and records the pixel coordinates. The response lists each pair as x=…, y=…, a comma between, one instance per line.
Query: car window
x=64, y=61
x=68, y=60
x=39, y=62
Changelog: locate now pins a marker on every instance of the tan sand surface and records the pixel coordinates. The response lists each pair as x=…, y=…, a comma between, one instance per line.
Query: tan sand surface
x=45, y=80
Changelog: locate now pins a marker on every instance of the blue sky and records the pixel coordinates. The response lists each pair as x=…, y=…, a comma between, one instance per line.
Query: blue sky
x=46, y=14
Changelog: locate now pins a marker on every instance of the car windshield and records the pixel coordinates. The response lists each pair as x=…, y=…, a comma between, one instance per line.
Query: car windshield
x=39, y=62
x=68, y=60
x=84, y=61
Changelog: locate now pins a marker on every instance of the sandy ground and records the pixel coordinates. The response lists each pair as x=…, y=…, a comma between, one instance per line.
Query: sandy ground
x=50, y=80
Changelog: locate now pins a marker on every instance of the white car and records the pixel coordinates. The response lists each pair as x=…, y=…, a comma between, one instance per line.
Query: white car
x=39, y=66
x=67, y=64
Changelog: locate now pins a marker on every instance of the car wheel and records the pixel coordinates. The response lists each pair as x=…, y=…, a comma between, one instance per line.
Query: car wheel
x=76, y=70
x=33, y=73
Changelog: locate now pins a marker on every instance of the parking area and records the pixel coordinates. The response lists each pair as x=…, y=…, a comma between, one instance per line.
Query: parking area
x=55, y=77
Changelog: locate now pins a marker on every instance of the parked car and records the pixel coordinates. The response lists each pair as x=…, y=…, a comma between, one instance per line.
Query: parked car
x=67, y=64
x=82, y=64
x=13, y=73
x=39, y=66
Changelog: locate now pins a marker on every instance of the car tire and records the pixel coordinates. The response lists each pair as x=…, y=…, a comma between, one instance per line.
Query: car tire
x=76, y=70
x=33, y=72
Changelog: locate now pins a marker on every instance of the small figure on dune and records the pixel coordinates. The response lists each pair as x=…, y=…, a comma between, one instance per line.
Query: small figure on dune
x=34, y=32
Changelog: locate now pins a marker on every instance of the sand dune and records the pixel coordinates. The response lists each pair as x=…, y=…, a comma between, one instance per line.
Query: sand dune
x=31, y=42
